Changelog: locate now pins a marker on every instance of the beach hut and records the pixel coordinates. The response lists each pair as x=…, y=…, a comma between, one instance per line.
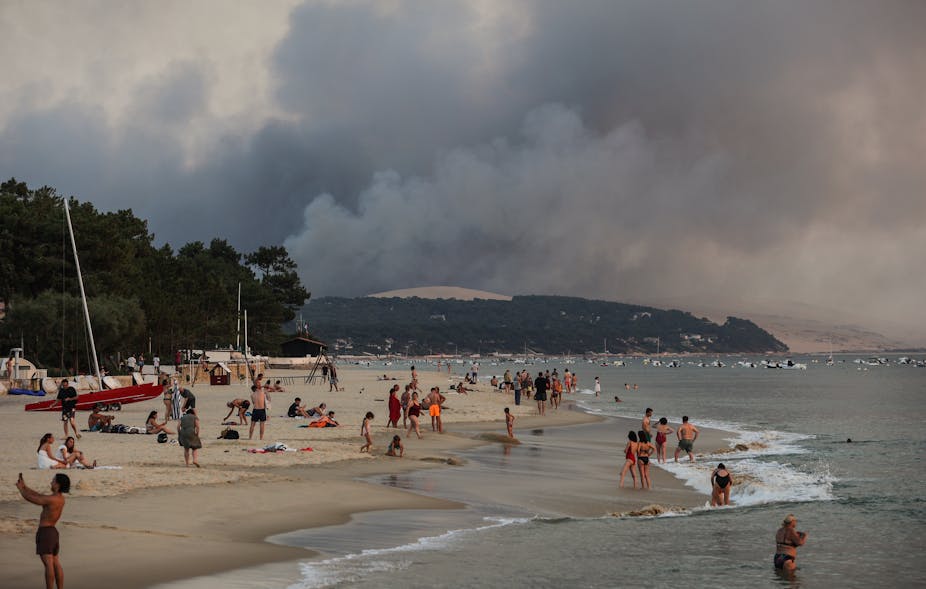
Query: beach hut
x=220, y=374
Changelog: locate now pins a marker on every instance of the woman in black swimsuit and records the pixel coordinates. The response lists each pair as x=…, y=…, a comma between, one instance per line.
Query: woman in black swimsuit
x=787, y=539
x=721, y=483
x=644, y=451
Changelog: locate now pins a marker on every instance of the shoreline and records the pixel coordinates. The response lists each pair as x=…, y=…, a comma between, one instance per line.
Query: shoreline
x=171, y=530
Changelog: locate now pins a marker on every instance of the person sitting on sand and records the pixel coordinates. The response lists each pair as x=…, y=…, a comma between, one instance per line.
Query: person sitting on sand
x=325, y=421
x=69, y=454
x=721, y=484
x=297, y=409
x=462, y=389
x=46, y=456
x=153, y=427
x=97, y=420
x=787, y=539
x=242, y=406
x=395, y=447
x=278, y=387
x=318, y=411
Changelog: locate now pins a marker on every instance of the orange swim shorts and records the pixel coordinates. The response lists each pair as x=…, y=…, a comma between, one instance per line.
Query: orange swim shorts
x=434, y=410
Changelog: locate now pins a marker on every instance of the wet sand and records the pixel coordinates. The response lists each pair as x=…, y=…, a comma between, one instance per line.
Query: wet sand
x=154, y=521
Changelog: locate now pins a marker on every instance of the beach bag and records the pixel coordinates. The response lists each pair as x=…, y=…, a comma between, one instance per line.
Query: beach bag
x=162, y=438
x=229, y=434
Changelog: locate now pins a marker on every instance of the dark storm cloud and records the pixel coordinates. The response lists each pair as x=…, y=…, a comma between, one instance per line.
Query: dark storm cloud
x=719, y=151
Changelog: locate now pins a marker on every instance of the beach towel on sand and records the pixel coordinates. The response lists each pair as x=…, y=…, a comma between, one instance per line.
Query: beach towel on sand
x=274, y=448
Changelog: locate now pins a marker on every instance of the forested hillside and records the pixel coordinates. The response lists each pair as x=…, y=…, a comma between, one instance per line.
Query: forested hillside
x=544, y=324
x=140, y=296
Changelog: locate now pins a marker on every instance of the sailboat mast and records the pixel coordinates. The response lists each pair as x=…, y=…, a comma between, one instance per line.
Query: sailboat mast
x=238, y=333
x=83, y=295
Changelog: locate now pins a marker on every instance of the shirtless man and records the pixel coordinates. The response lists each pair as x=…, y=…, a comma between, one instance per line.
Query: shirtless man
x=434, y=401
x=97, y=420
x=242, y=405
x=646, y=424
x=46, y=539
x=259, y=411
x=686, y=434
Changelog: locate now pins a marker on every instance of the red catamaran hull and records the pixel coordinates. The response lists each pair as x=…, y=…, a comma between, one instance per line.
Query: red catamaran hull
x=85, y=402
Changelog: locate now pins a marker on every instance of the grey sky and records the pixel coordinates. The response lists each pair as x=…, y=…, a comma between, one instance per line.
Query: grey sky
x=758, y=155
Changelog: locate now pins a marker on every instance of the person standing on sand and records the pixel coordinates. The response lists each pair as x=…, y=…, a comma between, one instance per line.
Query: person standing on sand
x=434, y=401
x=414, y=411
x=395, y=407
x=630, y=452
x=575, y=382
x=68, y=397
x=259, y=411
x=644, y=450
x=686, y=434
x=188, y=436
x=365, y=432
x=509, y=422
x=46, y=538
x=414, y=380
x=787, y=539
x=517, y=388
x=333, y=379
x=662, y=432
x=404, y=401
x=506, y=379
x=166, y=398
x=540, y=386
x=646, y=425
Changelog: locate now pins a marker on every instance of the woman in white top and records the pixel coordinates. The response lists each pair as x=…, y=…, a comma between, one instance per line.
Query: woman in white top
x=44, y=454
x=68, y=454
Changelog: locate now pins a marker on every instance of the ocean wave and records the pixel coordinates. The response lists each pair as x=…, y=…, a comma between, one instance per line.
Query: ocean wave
x=351, y=567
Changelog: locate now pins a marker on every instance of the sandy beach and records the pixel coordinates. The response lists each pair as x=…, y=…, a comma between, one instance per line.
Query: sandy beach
x=150, y=520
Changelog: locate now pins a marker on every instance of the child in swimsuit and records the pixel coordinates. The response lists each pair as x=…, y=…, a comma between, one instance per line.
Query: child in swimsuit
x=365, y=432
x=395, y=447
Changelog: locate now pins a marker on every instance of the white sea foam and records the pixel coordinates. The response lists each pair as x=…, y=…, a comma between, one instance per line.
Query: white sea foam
x=350, y=567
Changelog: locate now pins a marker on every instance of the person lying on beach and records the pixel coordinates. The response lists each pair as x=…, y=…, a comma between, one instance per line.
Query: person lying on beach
x=384, y=377
x=45, y=454
x=318, y=411
x=97, y=420
x=153, y=427
x=395, y=447
x=325, y=421
x=69, y=454
x=242, y=406
x=721, y=483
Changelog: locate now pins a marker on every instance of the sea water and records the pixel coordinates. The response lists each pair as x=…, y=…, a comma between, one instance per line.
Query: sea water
x=861, y=502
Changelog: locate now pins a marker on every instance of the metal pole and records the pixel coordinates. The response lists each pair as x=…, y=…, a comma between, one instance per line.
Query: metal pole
x=83, y=295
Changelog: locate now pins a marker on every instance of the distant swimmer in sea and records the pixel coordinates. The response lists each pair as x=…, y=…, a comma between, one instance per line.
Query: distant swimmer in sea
x=787, y=539
x=630, y=452
x=721, y=484
x=617, y=399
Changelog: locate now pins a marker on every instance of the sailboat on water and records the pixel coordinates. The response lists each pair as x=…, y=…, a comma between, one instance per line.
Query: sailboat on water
x=112, y=396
